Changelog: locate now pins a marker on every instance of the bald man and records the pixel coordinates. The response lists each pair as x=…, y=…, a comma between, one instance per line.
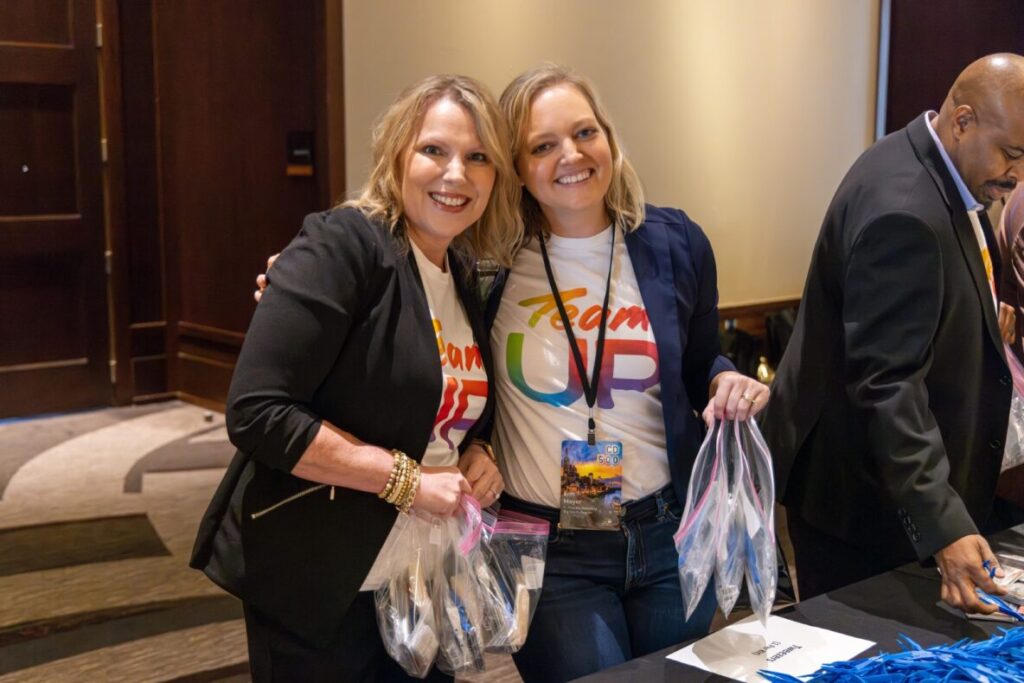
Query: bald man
x=890, y=406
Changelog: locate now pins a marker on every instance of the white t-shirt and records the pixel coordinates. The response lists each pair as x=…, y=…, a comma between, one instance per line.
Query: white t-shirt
x=538, y=405
x=463, y=378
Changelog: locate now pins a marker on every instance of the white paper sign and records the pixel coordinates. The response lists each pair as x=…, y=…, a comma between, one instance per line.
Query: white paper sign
x=741, y=650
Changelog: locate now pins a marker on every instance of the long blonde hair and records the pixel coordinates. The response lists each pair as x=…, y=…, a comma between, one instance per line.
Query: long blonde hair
x=624, y=200
x=499, y=231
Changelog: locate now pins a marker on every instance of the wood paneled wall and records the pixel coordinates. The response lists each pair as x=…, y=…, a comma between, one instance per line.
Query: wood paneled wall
x=931, y=41
x=751, y=318
x=227, y=98
x=206, y=96
x=133, y=210
x=54, y=351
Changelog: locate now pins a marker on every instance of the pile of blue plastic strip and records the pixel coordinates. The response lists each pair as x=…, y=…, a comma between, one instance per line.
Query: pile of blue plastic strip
x=1000, y=659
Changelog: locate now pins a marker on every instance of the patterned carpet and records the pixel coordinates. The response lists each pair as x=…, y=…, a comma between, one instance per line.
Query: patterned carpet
x=98, y=512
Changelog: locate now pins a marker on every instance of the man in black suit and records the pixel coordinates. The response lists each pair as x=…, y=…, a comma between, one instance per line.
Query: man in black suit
x=890, y=405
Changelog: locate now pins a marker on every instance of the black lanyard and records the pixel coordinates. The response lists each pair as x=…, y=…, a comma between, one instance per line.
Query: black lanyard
x=589, y=385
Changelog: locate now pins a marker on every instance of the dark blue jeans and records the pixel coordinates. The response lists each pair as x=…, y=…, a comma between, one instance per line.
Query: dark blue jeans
x=608, y=596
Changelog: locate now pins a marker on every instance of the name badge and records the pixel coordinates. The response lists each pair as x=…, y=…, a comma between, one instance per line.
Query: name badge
x=591, y=485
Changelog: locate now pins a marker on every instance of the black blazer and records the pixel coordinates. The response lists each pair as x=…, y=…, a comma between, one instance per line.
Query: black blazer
x=890, y=404
x=344, y=335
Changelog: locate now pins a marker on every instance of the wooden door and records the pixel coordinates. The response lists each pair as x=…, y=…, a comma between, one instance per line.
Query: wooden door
x=232, y=80
x=931, y=41
x=54, y=349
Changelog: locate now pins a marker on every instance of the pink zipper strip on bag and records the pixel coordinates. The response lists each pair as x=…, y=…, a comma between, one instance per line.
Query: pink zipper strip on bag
x=695, y=513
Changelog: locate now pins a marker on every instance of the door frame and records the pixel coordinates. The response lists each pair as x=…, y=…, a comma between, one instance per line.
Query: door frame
x=134, y=342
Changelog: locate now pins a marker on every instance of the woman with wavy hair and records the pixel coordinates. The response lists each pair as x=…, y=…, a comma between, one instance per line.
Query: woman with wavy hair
x=605, y=338
x=605, y=335
x=363, y=378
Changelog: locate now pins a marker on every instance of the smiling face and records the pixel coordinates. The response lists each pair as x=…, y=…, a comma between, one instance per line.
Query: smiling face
x=447, y=178
x=566, y=161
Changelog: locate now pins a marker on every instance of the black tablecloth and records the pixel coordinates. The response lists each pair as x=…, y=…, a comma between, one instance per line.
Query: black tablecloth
x=903, y=601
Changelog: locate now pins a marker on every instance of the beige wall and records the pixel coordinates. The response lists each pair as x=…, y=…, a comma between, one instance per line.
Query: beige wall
x=744, y=113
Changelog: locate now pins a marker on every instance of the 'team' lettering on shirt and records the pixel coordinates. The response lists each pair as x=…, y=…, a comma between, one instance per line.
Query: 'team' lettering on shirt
x=544, y=305
x=452, y=356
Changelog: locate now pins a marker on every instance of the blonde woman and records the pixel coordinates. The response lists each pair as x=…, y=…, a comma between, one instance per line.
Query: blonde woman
x=633, y=288
x=363, y=378
x=610, y=592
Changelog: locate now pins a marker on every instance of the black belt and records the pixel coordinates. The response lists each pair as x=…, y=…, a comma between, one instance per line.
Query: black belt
x=648, y=506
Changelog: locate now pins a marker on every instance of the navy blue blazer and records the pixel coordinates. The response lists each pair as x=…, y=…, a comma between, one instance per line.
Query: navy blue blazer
x=675, y=270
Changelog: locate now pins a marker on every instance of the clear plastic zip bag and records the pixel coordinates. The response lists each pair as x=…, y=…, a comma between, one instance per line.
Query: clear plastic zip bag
x=458, y=587
x=405, y=610
x=700, y=529
x=498, y=608
x=459, y=598
x=728, y=524
x=1014, y=453
x=515, y=548
x=731, y=557
x=758, y=503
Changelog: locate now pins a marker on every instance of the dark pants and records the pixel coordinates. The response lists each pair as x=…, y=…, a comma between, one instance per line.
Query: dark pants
x=357, y=654
x=609, y=596
x=1005, y=514
x=825, y=563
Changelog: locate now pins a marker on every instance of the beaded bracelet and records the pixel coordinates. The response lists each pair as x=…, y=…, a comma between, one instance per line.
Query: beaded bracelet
x=401, y=480
x=394, y=479
x=403, y=483
x=386, y=491
x=414, y=488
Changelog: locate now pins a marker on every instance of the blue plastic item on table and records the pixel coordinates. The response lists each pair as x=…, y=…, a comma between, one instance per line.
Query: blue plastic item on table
x=1000, y=659
x=1000, y=604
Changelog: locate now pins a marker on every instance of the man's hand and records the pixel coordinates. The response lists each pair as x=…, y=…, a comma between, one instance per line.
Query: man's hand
x=482, y=474
x=1007, y=323
x=261, y=280
x=961, y=565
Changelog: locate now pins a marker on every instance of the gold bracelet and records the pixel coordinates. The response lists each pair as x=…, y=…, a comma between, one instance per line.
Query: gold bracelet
x=399, y=496
x=407, y=469
x=488, y=449
x=383, y=494
x=392, y=479
x=400, y=478
x=386, y=491
x=414, y=488
x=400, y=484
